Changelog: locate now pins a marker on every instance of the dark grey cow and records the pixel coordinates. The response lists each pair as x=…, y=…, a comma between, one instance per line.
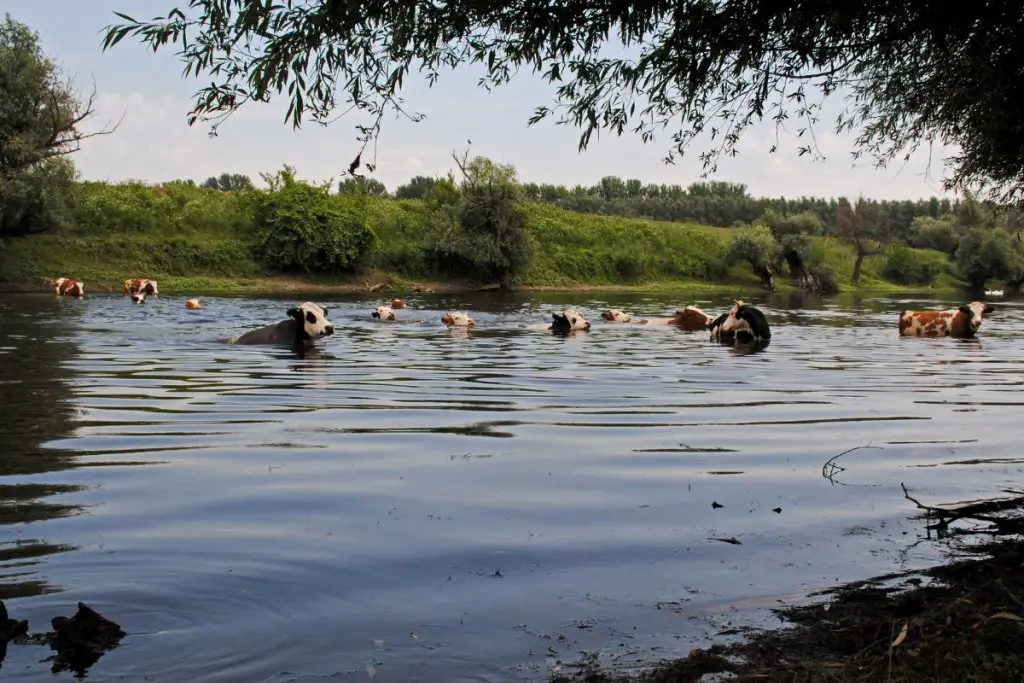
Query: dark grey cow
x=306, y=323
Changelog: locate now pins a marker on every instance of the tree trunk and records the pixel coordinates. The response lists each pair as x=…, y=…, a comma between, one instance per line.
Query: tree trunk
x=802, y=277
x=765, y=273
x=856, y=266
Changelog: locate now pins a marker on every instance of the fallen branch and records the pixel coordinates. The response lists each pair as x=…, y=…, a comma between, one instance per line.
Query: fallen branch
x=830, y=469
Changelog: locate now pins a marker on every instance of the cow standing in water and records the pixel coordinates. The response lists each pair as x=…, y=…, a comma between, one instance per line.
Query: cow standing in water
x=959, y=323
x=743, y=324
x=65, y=286
x=305, y=324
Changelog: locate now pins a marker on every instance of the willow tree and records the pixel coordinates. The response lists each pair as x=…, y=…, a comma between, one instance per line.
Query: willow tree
x=908, y=73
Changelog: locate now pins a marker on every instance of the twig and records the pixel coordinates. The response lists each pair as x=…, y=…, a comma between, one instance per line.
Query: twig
x=830, y=469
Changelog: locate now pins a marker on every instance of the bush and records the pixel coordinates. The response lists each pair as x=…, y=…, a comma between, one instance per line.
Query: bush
x=934, y=233
x=826, y=277
x=304, y=227
x=907, y=266
x=489, y=240
x=987, y=254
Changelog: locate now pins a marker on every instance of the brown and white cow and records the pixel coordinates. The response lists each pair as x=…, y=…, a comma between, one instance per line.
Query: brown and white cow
x=457, y=319
x=960, y=323
x=383, y=313
x=398, y=304
x=65, y=286
x=140, y=285
x=692, y=319
x=617, y=316
x=193, y=304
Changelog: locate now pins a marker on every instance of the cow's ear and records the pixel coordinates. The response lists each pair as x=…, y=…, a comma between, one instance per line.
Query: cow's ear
x=324, y=309
x=294, y=313
x=966, y=310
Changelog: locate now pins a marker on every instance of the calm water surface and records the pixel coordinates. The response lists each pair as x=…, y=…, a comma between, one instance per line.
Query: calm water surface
x=406, y=504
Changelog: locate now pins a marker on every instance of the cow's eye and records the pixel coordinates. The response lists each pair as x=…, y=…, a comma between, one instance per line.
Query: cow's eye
x=310, y=317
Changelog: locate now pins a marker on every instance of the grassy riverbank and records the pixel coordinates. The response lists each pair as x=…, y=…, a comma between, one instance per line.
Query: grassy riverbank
x=199, y=241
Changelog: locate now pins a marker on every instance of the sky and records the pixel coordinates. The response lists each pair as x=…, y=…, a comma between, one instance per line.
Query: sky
x=153, y=143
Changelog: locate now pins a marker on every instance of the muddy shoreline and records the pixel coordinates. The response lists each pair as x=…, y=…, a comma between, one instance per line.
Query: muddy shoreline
x=962, y=620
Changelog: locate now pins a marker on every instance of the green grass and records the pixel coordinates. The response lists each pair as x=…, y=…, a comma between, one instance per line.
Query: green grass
x=197, y=241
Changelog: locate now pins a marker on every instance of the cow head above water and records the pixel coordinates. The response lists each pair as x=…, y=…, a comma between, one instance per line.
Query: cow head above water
x=616, y=316
x=312, y=321
x=383, y=313
x=742, y=324
x=692, y=319
x=138, y=297
x=398, y=303
x=457, y=319
x=976, y=312
x=569, y=321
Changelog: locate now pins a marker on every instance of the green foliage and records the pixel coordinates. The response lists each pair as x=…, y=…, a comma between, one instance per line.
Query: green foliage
x=228, y=182
x=783, y=224
x=826, y=277
x=418, y=188
x=906, y=74
x=302, y=227
x=987, y=254
x=176, y=209
x=362, y=185
x=757, y=246
x=906, y=266
x=36, y=199
x=934, y=233
x=575, y=248
x=39, y=118
x=488, y=241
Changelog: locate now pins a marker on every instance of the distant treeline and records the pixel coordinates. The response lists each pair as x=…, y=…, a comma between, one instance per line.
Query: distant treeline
x=719, y=204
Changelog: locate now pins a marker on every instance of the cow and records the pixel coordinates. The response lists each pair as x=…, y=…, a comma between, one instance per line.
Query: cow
x=140, y=285
x=616, y=316
x=138, y=298
x=193, y=304
x=689, y=319
x=457, y=319
x=692, y=319
x=65, y=286
x=960, y=323
x=397, y=304
x=305, y=324
x=568, y=321
x=383, y=313
x=742, y=324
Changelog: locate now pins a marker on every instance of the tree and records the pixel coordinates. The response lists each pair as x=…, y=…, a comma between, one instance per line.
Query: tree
x=910, y=74
x=40, y=115
x=417, y=188
x=988, y=254
x=757, y=246
x=360, y=184
x=488, y=239
x=865, y=226
x=228, y=182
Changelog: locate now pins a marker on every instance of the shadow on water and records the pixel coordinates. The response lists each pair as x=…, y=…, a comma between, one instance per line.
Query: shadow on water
x=37, y=408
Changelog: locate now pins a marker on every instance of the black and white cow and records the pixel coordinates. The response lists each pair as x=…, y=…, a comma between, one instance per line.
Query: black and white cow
x=306, y=323
x=569, y=321
x=743, y=324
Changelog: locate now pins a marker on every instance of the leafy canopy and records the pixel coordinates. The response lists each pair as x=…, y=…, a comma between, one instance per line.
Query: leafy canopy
x=910, y=73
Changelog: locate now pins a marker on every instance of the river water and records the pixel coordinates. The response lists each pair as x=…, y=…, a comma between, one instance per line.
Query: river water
x=408, y=504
